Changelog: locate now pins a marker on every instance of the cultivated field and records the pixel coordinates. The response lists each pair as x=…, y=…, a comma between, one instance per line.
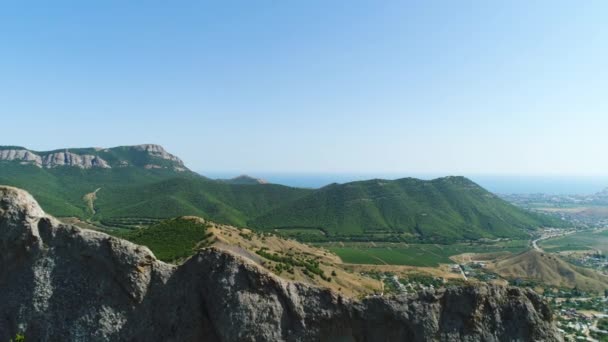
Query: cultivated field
x=421, y=255
x=597, y=240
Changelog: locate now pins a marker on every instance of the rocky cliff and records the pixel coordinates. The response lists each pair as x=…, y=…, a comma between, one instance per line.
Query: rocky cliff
x=54, y=159
x=61, y=283
x=149, y=156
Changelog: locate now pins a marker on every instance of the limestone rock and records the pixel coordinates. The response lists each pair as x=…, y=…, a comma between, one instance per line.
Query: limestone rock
x=159, y=152
x=93, y=159
x=54, y=159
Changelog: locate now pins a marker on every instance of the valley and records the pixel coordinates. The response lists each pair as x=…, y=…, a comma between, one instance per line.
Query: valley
x=364, y=239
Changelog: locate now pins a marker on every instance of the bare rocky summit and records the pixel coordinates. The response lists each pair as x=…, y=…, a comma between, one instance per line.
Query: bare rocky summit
x=62, y=283
x=244, y=180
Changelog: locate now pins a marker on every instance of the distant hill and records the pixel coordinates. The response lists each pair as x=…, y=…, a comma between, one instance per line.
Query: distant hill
x=244, y=179
x=112, y=186
x=450, y=207
x=550, y=269
x=177, y=196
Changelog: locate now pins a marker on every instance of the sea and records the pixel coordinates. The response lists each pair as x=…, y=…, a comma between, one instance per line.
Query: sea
x=500, y=184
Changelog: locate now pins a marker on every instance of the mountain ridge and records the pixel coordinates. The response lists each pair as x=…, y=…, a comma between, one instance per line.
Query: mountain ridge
x=145, y=155
x=407, y=205
x=145, y=181
x=59, y=282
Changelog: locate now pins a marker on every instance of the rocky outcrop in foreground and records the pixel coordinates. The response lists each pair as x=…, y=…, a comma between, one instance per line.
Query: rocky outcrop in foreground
x=61, y=283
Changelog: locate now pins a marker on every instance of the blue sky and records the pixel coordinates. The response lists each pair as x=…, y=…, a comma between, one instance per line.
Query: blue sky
x=443, y=87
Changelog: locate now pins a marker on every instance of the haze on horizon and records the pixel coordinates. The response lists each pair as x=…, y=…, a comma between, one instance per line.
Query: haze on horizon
x=436, y=87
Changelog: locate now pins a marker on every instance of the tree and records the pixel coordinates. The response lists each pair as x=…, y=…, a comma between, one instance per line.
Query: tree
x=18, y=338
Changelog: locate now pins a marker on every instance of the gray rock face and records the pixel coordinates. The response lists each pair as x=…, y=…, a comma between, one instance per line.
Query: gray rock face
x=62, y=283
x=54, y=159
x=22, y=155
x=71, y=159
x=93, y=160
x=159, y=152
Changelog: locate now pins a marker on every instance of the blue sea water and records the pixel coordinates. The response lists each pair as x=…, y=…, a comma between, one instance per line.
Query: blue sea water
x=502, y=184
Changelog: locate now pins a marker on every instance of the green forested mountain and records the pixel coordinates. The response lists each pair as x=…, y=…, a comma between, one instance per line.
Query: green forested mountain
x=449, y=207
x=225, y=203
x=109, y=185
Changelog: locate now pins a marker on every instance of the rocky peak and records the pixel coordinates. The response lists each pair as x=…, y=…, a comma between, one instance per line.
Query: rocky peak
x=244, y=179
x=62, y=283
x=159, y=152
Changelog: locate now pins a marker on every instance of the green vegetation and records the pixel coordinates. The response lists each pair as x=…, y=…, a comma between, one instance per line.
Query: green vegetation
x=578, y=241
x=132, y=192
x=171, y=240
x=195, y=196
x=423, y=255
x=442, y=210
x=129, y=222
x=602, y=324
x=18, y=338
x=309, y=266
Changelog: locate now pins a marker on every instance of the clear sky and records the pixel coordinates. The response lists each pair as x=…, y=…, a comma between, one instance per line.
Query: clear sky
x=446, y=87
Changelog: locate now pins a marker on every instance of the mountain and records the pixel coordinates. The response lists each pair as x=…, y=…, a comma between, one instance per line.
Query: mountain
x=448, y=208
x=64, y=180
x=178, y=196
x=114, y=187
x=62, y=283
x=244, y=179
x=147, y=156
x=550, y=269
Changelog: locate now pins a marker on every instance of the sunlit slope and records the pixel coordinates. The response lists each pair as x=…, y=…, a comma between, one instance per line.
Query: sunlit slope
x=444, y=208
x=174, y=240
x=226, y=203
x=550, y=269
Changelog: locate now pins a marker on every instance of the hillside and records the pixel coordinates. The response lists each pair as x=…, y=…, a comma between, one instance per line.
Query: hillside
x=178, y=196
x=117, y=186
x=443, y=208
x=176, y=239
x=62, y=190
x=550, y=269
x=62, y=283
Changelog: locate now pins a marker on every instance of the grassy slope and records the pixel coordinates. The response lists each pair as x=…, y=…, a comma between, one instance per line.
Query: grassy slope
x=451, y=207
x=225, y=203
x=550, y=269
